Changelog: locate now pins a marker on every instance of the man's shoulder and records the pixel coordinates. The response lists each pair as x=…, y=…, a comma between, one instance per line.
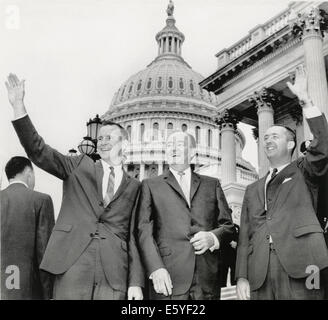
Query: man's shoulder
x=205, y=178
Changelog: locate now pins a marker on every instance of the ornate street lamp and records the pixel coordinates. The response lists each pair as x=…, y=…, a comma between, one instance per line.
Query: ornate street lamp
x=93, y=127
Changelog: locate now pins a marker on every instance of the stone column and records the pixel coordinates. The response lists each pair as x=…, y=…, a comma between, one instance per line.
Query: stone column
x=228, y=124
x=167, y=45
x=311, y=26
x=142, y=171
x=263, y=101
x=160, y=168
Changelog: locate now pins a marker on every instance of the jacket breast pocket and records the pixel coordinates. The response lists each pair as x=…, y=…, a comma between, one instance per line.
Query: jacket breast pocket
x=63, y=227
x=311, y=228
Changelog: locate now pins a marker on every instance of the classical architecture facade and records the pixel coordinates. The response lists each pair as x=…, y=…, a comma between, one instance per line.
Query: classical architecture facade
x=166, y=96
x=250, y=80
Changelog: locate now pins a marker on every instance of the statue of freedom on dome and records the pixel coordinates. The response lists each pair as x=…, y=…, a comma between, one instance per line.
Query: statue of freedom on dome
x=170, y=8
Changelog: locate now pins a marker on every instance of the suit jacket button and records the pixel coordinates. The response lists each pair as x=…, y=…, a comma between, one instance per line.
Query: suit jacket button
x=101, y=203
x=268, y=237
x=269, y=218
x=101, y=221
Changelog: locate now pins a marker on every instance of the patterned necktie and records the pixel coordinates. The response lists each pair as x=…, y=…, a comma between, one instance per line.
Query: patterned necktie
x=110, y=187
x=273, y=174
x=184, y=186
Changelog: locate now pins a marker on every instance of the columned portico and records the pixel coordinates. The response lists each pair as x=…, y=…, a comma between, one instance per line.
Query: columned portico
x=311, y=26
x=228, y=124
x=263, y=101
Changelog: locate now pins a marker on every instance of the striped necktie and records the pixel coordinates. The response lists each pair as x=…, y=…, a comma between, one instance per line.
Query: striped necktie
x=110, y=187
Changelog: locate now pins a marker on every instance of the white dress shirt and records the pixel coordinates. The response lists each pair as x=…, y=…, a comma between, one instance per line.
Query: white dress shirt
x=118, y=171
x=186, y=180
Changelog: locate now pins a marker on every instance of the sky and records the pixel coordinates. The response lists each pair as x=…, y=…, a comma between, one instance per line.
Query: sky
x=75, y=54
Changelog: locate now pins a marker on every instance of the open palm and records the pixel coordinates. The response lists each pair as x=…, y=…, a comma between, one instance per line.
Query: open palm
x=16, y=89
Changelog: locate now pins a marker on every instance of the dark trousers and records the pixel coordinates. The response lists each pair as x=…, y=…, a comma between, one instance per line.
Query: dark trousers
x=279, y=286
x=86, y=279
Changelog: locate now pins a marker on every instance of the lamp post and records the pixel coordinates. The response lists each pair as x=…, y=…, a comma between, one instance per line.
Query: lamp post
x=88, y=145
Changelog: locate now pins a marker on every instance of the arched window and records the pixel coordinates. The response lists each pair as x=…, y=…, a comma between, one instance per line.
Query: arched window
x=197, y=135
x=149, y=84
x=184, y=127
x=191, y=86
x=209, y=138
x=181, y=84
x=139, y=85
x=131, y=86
x=155, y=131
x=128, y=130
x=142, y=131
x=122, y=93
x=169, y=128
x=159, y=83
x=170, y=84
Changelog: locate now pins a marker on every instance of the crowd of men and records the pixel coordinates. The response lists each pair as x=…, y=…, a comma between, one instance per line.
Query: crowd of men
x=169, y=237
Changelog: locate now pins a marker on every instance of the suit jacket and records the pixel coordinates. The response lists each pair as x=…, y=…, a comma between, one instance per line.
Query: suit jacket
x=166, y=224
x=82, y=213
x=27, y=219
x=290, y=218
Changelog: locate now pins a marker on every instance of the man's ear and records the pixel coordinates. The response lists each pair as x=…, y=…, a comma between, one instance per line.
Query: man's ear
x=290, y=145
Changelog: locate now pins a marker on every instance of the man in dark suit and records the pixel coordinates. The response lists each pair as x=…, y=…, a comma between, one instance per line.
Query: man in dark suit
x=92, y=249
x=182, y=218
x=281, y=241
x=229, y=254
x=27, y=219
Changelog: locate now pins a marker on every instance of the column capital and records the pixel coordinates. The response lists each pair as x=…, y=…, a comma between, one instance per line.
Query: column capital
x=265, y=99
x=313, y=22
x=226, y=119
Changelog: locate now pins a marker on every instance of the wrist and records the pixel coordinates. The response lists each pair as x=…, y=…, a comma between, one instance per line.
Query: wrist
x=305, y=102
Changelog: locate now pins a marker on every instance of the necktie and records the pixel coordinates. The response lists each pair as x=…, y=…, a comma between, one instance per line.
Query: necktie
x=110, y=187
x=269, y=189
x=184, y=186
x=273, y=174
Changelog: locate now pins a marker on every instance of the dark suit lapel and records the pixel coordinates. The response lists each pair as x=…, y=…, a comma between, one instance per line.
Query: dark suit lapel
x=260, y=189
x=280, y=197
x=195, y=182
x=99, y=178
x=124, y=183
x=170, y=179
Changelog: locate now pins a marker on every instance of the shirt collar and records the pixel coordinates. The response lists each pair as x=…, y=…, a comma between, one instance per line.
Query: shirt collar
x=18, y=181
x=186, y=171
x=279, y=168
x=106, y=166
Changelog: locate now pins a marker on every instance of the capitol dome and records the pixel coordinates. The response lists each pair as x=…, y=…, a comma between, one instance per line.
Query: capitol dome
x=166, y=96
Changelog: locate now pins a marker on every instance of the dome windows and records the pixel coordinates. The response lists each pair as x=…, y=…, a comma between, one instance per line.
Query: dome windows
x=131, y=87
x=209, y=138
x=129, y=130
x=184, y=127
x=149, y=84
x=122, y=93
x=159, y=83
x=142, y=132
x=170, y=83
x=181, y=84
x=191, y=84
x=197, y=131
x=139, y=85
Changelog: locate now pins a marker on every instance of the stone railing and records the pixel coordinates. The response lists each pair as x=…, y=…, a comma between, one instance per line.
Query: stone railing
x=258, y=34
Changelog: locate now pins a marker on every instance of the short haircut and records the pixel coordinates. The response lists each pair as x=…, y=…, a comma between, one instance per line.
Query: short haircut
x=291, y=135
x=124, y=133
x=17, y=165
x=191, y=138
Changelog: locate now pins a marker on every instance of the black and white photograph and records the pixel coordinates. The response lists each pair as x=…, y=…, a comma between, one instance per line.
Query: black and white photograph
x=172, y=150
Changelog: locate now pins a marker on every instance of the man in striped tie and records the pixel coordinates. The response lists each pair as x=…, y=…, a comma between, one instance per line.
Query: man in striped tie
x=92, y=250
